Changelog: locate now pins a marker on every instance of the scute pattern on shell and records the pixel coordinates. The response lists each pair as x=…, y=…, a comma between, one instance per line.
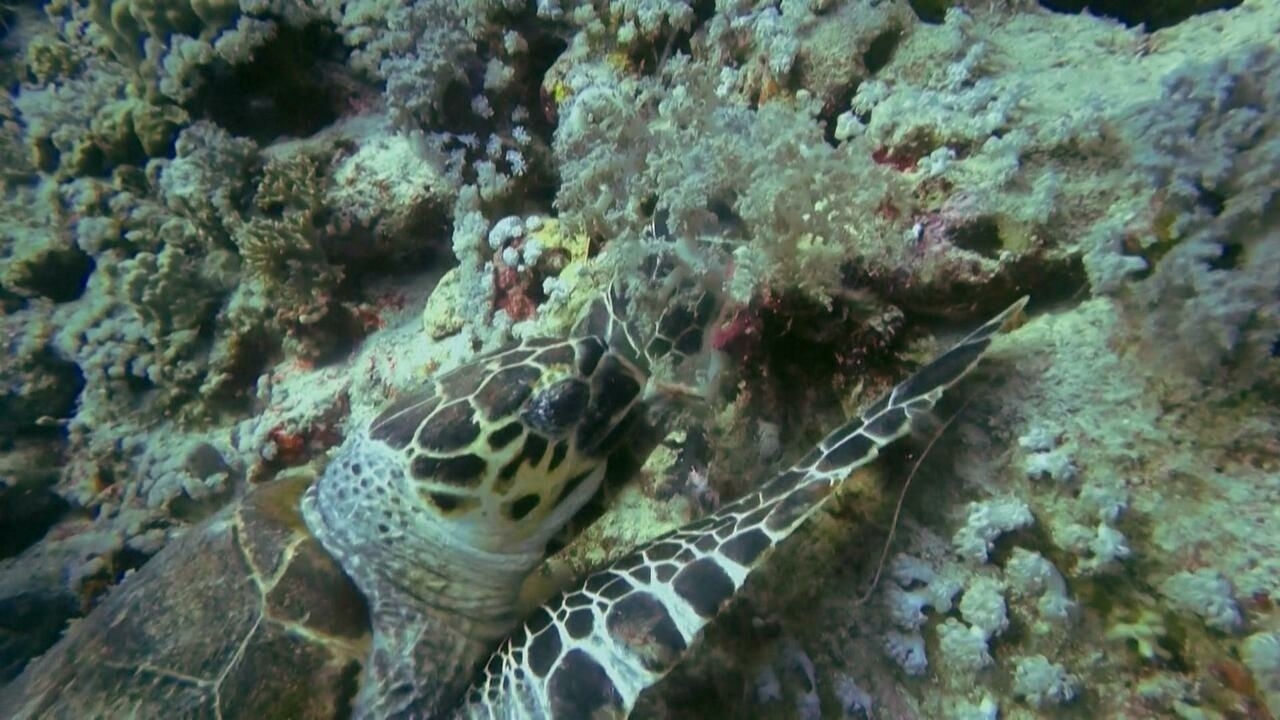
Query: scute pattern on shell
x=205, y=628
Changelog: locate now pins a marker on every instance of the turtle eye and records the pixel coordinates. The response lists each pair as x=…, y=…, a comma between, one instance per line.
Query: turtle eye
x=556, y=409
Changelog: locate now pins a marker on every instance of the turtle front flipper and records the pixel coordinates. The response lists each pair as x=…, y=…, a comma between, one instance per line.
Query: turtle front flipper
x=593, y=650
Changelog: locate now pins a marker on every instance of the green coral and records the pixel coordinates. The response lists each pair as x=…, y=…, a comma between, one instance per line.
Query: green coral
x=280, y=245
x=291, y=183
x=126, y=24
x=91, y=122
x=50, y=57
x=206, y=263
x=1146, y=633
x=284, y=257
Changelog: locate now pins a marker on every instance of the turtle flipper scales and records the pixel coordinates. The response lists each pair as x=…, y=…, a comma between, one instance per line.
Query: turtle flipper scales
x=590, y=652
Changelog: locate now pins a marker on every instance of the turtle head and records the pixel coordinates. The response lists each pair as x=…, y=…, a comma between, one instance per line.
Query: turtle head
x=456, y=489
x=444, y=503
x=504, y=453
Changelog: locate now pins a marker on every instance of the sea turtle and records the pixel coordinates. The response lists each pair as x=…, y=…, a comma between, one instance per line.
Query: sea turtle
x=437, y=510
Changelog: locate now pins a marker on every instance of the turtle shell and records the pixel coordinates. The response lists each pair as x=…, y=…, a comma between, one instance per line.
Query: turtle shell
x=243, y=616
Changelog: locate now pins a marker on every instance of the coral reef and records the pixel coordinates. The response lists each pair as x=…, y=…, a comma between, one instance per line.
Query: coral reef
x=229, y=228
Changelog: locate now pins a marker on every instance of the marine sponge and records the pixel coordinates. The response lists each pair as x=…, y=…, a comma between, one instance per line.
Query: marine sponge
x=1042, y=682
x=917, y=586
x=983, y=606
x=1030, y=574
x=964, y=647
x=907, y=649
x=1205, y=593
x=987, y=521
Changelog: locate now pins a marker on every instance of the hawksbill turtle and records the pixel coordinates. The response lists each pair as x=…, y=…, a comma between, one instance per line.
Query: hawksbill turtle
x=388, y=588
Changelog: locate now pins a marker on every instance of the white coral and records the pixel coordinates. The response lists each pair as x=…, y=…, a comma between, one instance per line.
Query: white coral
x=964, y=647
x=1205, y=593
x=987, y=521
x=1042, y=682
x=1030, y=574
x=983, y=607
x=1261, y=654
x=907, y=649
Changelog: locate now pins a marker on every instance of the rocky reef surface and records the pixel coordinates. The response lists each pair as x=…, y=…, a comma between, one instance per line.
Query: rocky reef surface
x=228, y=229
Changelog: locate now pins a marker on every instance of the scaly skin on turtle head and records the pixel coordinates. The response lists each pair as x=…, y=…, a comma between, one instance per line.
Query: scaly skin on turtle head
x=661, y=323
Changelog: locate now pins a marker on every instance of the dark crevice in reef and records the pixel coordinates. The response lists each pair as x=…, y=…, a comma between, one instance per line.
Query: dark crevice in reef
x=10, y=301
x=27, y=511
x=61, y=275
x=546, y=42
x=1153, y=14
x=364, y=253
x=8, y=19
x=250, y=356
x=30, y=623
x=790, y=341
x=544, y=50
x=931, y=11
x=288, y=89
x=1053, y=282
x=981, y=236
x=1230, y=257
x=880, y=52
x=455, y=112
x=703, y=11
x=874, y=59
x=48, y=387
x=829, y=117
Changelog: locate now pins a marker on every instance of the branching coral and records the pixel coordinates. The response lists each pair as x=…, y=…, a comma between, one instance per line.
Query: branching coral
x=280, y=241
